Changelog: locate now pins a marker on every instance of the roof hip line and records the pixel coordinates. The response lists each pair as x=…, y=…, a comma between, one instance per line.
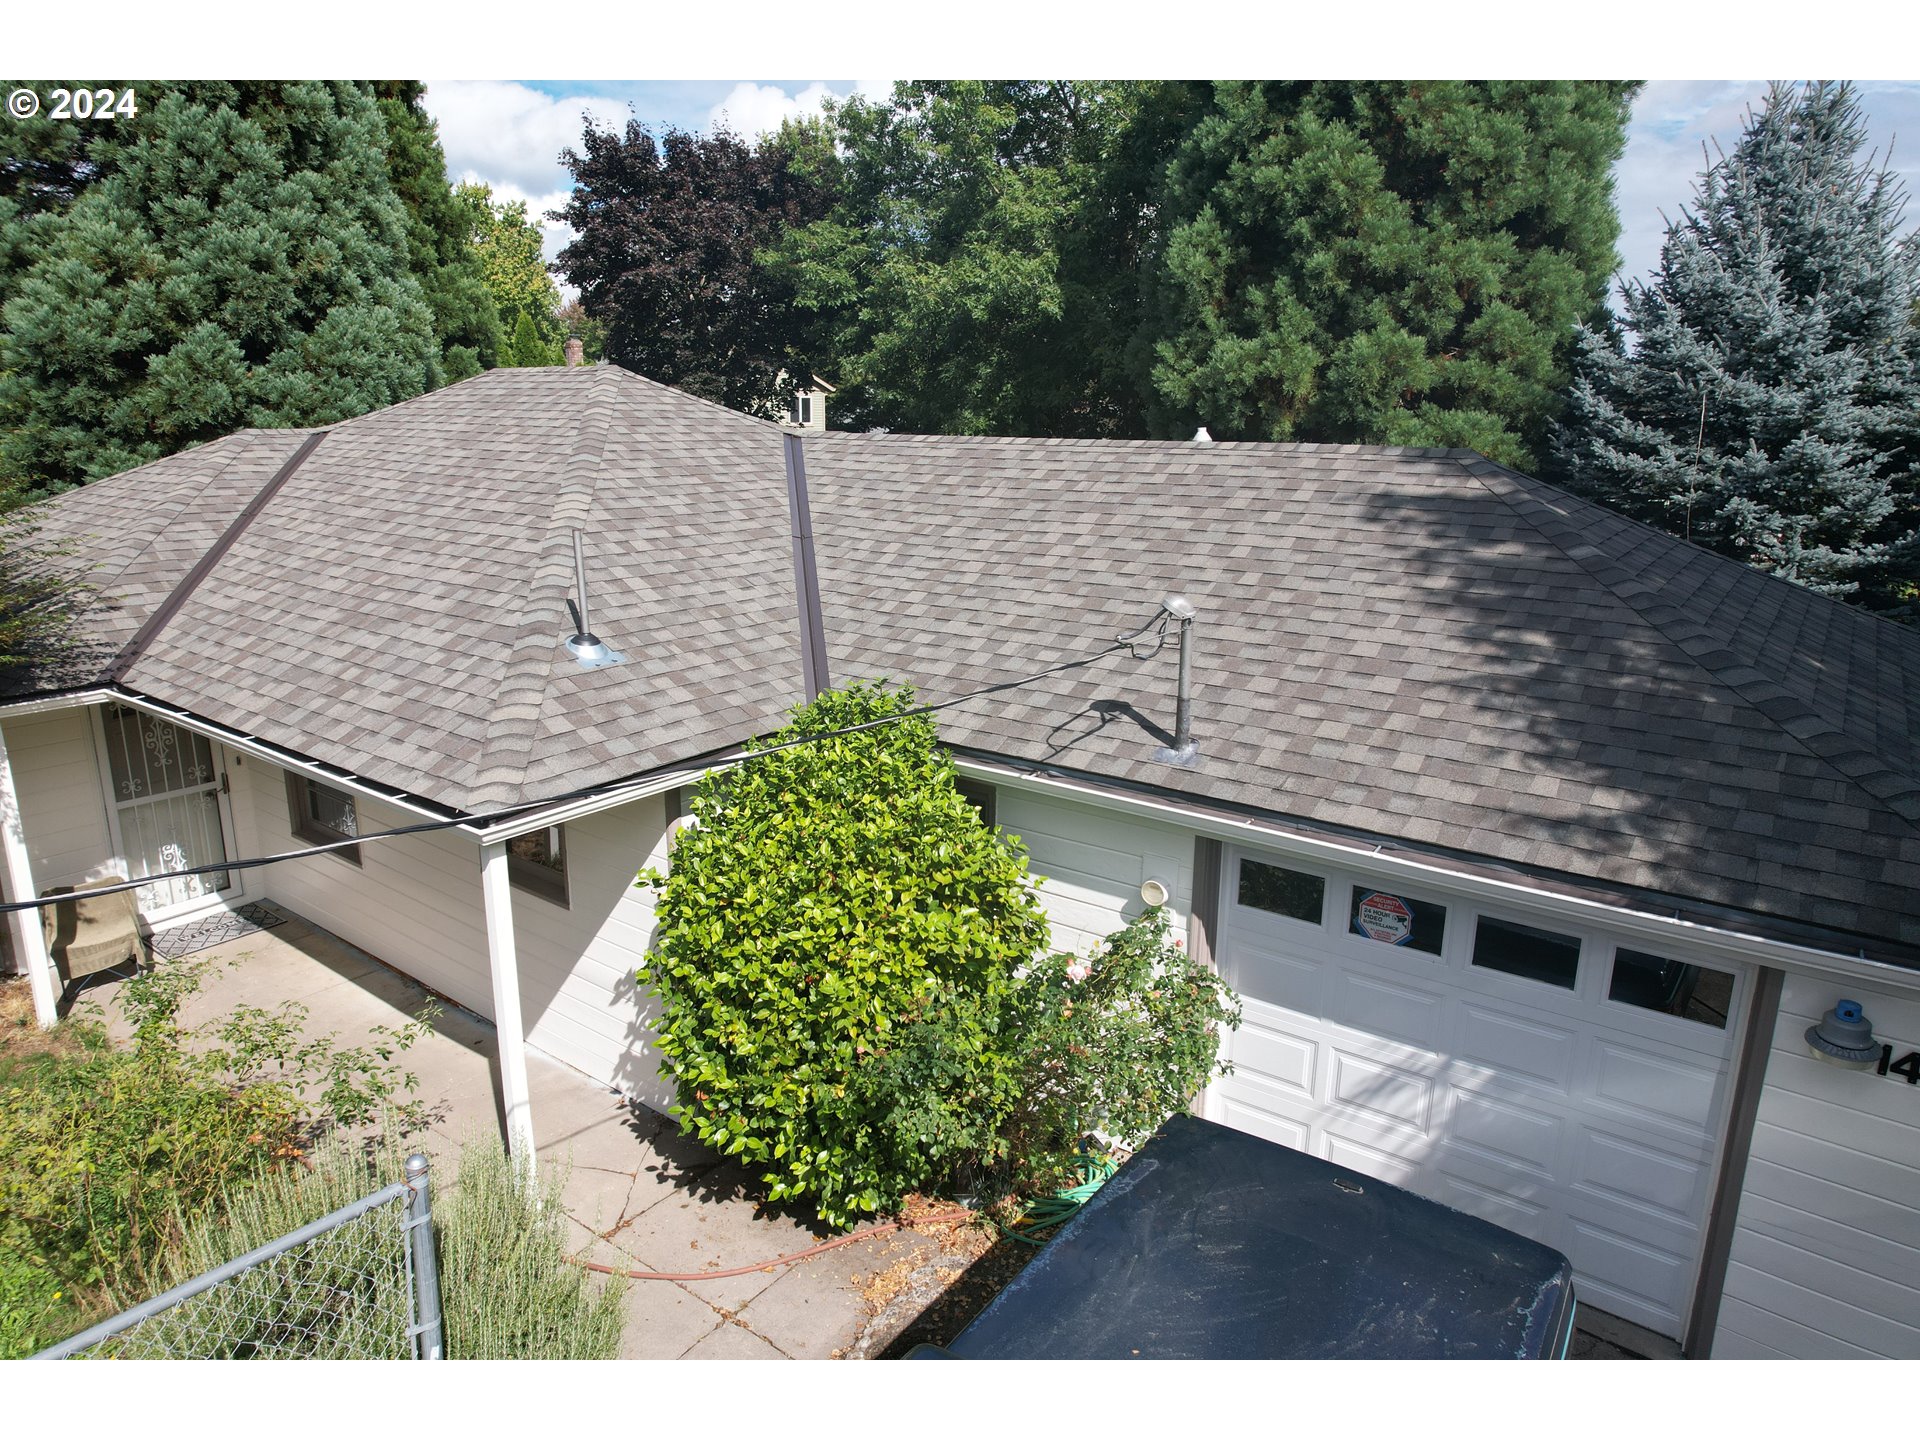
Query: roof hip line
x=131, y=652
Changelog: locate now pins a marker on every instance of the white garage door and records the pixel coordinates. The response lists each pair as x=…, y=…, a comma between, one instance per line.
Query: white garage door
x=1554, y=1082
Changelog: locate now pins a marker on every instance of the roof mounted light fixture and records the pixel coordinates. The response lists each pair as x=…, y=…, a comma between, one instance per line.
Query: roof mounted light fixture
x=1844, y=1037
x=589, y=649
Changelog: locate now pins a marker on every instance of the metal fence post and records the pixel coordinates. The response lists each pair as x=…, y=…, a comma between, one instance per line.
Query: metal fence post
x=429, y=1336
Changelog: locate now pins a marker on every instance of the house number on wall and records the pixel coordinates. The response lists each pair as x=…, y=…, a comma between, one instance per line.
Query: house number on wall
x=1907, y=1067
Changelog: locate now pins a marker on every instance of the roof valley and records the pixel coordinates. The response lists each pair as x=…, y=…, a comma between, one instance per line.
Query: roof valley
x=1820, y=739
x=500, y=774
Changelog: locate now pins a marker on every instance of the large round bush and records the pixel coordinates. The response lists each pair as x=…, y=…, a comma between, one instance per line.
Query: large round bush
x=836, y=942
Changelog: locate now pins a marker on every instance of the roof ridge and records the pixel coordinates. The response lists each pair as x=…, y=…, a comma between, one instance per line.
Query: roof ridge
x=727, y=410
x=527, y=673
x=1858, y=766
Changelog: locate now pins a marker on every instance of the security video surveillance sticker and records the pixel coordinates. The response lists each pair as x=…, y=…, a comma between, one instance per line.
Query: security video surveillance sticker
x=1385, y=918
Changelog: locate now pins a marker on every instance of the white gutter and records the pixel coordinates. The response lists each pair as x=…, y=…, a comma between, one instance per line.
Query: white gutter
x=1710, y=940
x=611, y=799
x=232, y=739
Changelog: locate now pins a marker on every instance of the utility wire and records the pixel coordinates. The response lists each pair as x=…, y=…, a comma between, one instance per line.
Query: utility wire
x=526, y=807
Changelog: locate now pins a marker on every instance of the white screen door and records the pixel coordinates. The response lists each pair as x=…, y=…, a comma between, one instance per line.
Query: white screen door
x=166, y=798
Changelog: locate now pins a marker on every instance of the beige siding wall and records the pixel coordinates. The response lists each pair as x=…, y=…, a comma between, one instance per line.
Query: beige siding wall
x=1826, y=1251
x=1094, y=861
x=62, y=808
x=415, y=903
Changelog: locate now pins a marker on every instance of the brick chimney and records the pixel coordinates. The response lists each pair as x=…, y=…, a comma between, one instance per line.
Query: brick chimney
x=576, y=351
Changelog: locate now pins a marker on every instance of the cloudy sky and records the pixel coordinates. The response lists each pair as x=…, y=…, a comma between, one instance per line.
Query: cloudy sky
x=510, y=133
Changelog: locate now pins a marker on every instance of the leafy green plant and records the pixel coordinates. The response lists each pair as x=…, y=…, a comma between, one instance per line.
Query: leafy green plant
x=108, y=1155
x=1110, y=1043
x=834, y=947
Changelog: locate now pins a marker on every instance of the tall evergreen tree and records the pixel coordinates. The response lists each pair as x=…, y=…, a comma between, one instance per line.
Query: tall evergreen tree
x=440, y=248
x=243, y=263
x=664, y=251
x=1389, y=262
x=1769, y=403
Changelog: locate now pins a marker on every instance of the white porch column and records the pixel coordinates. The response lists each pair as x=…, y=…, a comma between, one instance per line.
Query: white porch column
x=504, y=963
x=29, y=940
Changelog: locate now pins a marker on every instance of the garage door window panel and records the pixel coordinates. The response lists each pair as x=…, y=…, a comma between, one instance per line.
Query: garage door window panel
x=1652, y=982
x=1398, y=920
x=1292, y=894
x=1524, y=950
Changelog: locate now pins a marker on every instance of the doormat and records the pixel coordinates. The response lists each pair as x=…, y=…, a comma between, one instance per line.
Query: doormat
x=214, y=930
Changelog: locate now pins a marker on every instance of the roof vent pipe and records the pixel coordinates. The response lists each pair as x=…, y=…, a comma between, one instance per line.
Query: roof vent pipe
x=1201, y=437
x=589, y=649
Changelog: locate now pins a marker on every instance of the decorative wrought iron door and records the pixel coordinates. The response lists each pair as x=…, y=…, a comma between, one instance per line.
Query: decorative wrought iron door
x=166, y=796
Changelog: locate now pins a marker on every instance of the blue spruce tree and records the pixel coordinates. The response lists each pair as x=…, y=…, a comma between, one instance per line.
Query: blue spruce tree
x=1767, y=402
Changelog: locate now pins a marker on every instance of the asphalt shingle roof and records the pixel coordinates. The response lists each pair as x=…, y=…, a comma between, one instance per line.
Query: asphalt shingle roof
x=1414, y=644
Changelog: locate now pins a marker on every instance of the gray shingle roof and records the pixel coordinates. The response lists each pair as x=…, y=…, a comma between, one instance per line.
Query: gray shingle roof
x=1414, y=644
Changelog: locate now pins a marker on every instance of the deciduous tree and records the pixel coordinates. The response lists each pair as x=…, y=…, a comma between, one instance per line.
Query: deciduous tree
x=512, y=262
x=667, y=229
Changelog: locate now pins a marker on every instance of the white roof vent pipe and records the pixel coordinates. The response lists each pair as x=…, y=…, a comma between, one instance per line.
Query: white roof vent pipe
x=589, y=649
x=1201, y=437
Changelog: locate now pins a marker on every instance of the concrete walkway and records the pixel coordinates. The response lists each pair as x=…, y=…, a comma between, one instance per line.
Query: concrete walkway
x=639, y=1196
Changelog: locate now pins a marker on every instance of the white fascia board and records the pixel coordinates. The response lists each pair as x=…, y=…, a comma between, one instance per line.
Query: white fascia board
x=1706, y=940
x=260, y=750
x=621, y=793
x=74, y=701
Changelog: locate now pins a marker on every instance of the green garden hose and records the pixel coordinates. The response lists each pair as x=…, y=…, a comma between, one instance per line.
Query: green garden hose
x=1051, y=1210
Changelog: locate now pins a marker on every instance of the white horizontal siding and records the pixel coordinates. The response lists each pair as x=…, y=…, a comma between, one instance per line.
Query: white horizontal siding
x=412, y=902
x=1093, y=862
x=1826, y=1250
x=577, y=987
x=63, y=810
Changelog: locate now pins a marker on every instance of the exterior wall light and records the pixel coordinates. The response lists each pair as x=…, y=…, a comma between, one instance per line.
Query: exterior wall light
x=1844, y=1037
x=1154, y=892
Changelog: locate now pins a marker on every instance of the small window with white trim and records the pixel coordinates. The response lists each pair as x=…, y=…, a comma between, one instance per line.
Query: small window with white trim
x=321, y=814
x=537, y=863
x=1280, y=891
x=1653, y=982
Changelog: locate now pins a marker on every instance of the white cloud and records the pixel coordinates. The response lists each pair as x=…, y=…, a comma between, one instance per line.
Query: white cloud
x=751, y=110
x=510, y=134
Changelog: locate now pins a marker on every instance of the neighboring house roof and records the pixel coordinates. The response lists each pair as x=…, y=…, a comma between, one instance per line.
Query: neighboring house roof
x=1415, y=644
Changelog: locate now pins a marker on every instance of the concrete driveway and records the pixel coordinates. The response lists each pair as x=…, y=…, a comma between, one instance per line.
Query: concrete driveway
x=639, y=1197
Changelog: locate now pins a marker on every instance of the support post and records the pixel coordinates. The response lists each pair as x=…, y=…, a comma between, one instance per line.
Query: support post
x=429, y=1335
x=504, y=964
x=29, y=939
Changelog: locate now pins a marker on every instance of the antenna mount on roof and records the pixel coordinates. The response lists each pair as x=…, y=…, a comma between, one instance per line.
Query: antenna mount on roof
x=589, y=649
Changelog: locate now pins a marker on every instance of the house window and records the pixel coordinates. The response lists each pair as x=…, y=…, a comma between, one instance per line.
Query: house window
x=1397, y=919
x=321, y=814
x=1693, y=992
x=537, y=862
x=1543, y=955
x=1292, y=893
x=803, y=409
x=980, y=795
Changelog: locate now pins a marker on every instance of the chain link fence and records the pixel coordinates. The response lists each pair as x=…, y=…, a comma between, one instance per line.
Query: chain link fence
x=360, y=1284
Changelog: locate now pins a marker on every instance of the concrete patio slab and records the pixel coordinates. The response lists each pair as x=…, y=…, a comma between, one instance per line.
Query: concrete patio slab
x=640, y=1196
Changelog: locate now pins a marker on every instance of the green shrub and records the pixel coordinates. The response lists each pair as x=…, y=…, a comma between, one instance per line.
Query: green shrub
x=106, y=1154
x=509, y=1292
x=834, y=947
x=507, y=1289
x=1112, y=1043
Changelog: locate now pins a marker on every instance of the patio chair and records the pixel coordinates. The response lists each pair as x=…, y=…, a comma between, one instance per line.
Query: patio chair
x=100, y=932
